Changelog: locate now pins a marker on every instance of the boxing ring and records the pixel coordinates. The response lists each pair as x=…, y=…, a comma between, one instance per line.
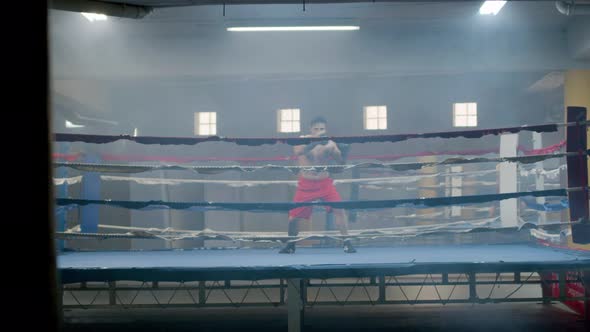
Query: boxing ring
x=320, y=263
x=381, y=272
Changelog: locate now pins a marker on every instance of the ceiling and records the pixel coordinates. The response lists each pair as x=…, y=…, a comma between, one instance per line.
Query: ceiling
x=540, y=12
x=396, y=38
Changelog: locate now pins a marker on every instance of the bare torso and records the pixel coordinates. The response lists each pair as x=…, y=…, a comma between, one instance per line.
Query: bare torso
x=304, y=160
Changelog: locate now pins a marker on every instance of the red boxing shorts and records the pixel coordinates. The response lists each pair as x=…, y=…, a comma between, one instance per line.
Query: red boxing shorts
x=313, y=190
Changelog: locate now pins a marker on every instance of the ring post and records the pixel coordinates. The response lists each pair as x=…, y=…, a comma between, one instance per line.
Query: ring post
x=577, y=174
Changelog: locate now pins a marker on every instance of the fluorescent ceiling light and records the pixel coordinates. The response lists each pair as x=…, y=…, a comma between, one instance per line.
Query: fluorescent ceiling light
x=114, y=123
x=296, y=28
x=73, y=125
x=491, y=7
x=94, y=17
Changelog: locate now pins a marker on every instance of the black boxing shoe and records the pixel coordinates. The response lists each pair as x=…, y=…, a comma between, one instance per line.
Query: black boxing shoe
x=348, y=248
x=288, y=249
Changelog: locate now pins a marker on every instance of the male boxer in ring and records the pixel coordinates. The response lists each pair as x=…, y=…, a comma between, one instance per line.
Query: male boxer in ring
x=317, y=185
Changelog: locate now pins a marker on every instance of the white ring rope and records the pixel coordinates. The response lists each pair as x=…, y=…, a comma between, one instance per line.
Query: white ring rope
x=171, y=234
x=378, y=182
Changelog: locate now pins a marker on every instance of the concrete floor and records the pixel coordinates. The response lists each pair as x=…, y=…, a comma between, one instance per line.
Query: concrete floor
x=504, y=317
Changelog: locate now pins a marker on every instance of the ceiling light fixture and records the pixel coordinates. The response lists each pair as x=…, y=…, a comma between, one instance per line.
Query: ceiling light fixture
x=491, y=7
x=295, y=28
x=94, y=17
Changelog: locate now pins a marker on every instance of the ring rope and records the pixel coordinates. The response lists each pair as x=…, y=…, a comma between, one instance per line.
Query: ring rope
x=285, y=206
x=121, y=168
x=397, y=232
x=377, y=182
x=475, y=133
x=72, y=157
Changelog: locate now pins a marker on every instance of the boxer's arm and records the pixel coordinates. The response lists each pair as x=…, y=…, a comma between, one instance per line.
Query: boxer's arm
x=299, y=150
x=336, y=153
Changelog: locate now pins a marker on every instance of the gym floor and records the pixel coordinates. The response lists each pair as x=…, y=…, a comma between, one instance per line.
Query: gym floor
x=504, y=317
